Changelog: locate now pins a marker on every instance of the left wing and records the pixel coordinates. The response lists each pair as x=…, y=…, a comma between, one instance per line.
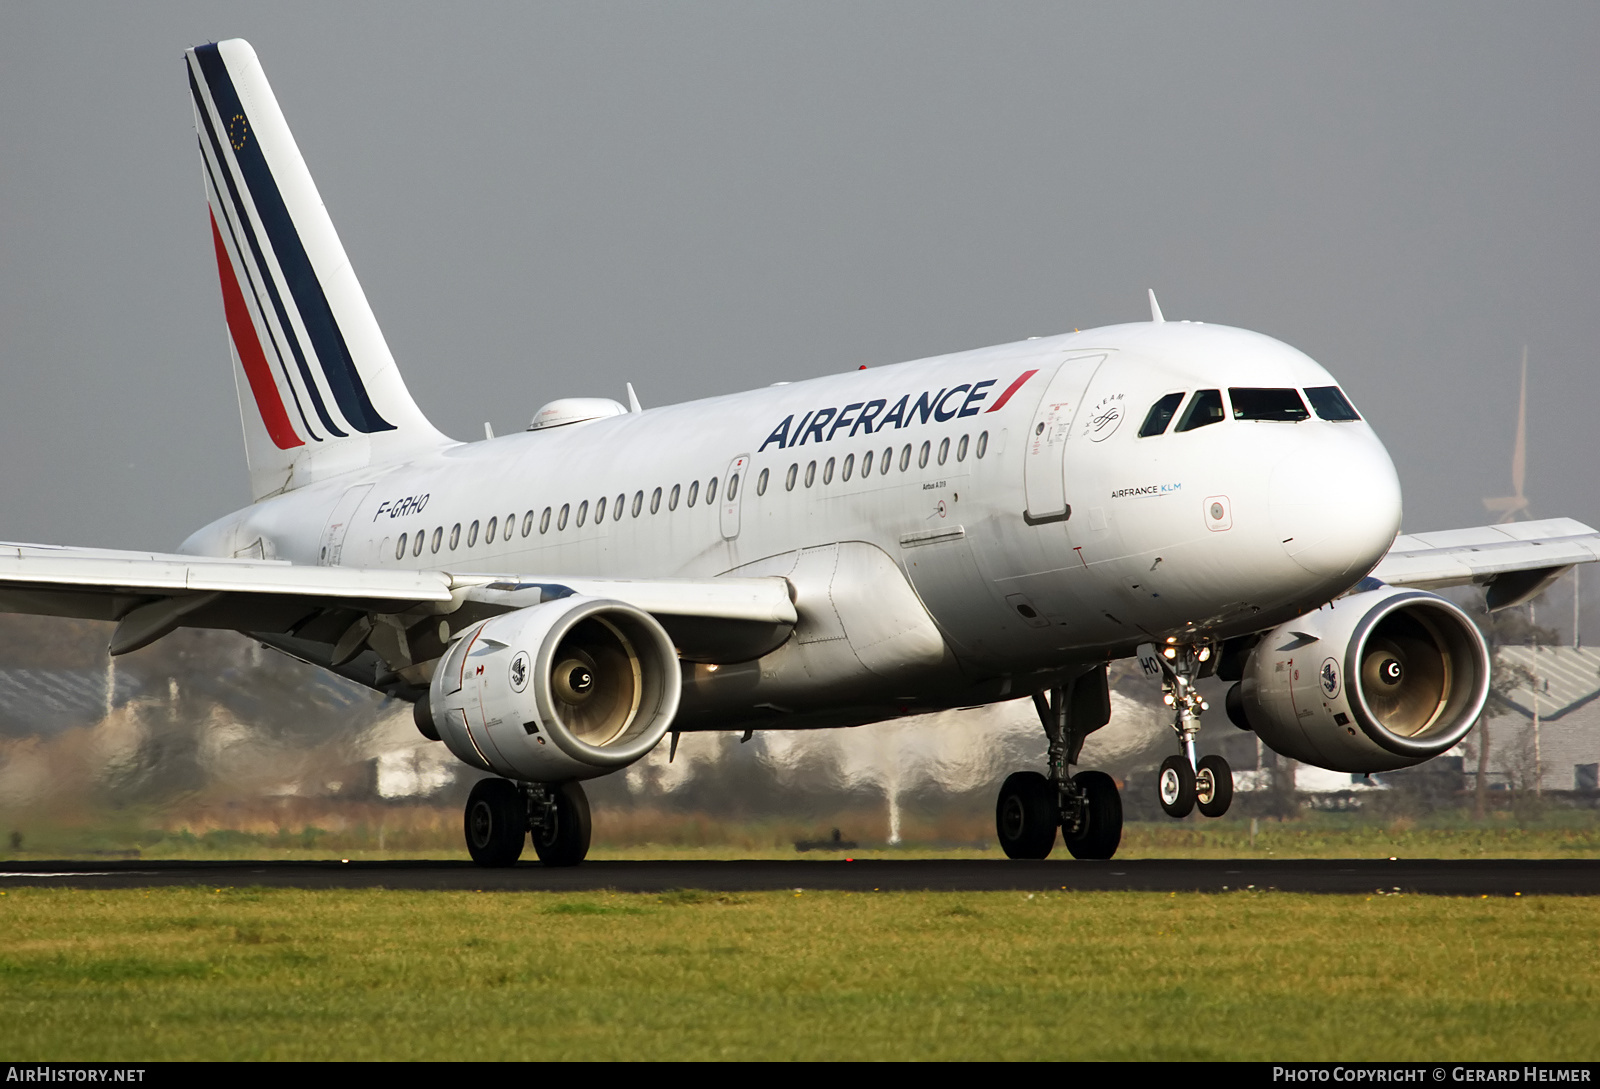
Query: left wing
x=149, y=594
x=1513, y=561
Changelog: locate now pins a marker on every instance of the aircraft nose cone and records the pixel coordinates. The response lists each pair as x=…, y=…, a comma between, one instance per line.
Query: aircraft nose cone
x=1336, y=503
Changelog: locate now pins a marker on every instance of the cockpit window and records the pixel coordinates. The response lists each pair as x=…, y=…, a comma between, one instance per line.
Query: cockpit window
x=1205, y=407
x=1280, y=405
x=1331, y=404
x=1160, y=415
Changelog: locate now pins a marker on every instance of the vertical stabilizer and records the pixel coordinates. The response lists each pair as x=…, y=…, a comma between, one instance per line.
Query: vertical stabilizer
x=319, y=392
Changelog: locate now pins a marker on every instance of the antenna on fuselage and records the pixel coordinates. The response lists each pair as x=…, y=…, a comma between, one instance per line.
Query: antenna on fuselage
x=633, y=400
x=1155, y=307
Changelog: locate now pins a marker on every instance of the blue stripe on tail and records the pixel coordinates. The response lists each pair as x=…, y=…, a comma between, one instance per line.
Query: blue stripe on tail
x=315, y=313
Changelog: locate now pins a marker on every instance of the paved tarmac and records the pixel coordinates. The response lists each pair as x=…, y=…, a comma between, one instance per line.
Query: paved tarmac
x=1476, y=877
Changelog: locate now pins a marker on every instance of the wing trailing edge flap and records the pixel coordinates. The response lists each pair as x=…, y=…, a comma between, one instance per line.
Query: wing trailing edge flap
x=151, y=594
x=1513, y=561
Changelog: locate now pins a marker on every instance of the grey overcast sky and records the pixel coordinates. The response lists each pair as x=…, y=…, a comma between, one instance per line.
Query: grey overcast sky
x=552, y=199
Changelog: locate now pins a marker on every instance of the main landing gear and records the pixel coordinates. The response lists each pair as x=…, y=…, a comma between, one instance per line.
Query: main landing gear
x=1086, y=806
x=1187, y=782
x=500, y=814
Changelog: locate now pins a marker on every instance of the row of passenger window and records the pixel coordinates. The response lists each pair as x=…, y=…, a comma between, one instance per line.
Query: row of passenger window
x=605, y=504
x=1275, y=405
x=885, y=462
x=435, y=542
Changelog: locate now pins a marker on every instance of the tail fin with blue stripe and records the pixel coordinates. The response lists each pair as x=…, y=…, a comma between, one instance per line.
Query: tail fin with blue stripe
x=319, y=392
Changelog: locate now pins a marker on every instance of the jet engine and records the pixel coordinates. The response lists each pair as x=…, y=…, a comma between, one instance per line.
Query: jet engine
x=570, y=689
x=1376, y=681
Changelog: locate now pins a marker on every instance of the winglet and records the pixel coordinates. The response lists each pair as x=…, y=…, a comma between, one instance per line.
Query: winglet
x=1155, y=307
x=633, y=400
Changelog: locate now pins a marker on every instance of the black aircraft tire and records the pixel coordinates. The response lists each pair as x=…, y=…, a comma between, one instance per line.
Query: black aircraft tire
x=567, y=843
x=1102, y=830
x=496, y=823
x=1175, y=787
x=1026, y=817
x=1214, y=798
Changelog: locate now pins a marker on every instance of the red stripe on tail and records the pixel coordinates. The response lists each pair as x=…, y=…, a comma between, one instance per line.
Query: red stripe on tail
x=1012, y=388
x=243, y=331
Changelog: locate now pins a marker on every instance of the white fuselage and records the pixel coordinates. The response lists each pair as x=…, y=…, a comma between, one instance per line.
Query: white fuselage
x=1040, y=533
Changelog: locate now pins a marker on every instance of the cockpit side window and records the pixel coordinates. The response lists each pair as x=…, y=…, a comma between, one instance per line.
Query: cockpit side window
x=1205, y=408
x=1331, y=404
x=1160, y=415
x=1277, y=405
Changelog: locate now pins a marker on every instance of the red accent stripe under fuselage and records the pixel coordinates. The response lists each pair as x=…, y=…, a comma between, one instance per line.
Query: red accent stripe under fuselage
x=248, y=345
x=1012, y=388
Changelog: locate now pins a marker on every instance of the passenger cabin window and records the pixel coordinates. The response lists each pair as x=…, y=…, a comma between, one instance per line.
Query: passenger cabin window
x=761, y=482
x=811, y=474
x=733, y=487
x=848, y=467
x=511, y=524
x=455, y=536
x=1160, y=415
x=490, y=530
x=400, y=548
x=583, y=513
x=788, y=481
x=1205, y=408
x=438, y=538
x=827, y=472
x=922, y=455
x=944, y=450
x=527, y=521
x=416, y=548
x=672, y=500
x=983, y=444
x=544, y=521
x=888, y=460
x=961, y=449
x=472, y=534
x=866, y=464
x=616, y=508
x=638, y=503
x=1276, y=405
x=711, y=491
x=1331, y=404
x=655, y=501
x=694, y=491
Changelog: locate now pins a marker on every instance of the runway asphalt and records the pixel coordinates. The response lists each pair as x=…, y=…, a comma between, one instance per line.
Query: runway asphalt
x=1477, y=877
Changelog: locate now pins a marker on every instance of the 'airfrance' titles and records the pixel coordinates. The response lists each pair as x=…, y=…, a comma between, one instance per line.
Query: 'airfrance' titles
x=821, y=425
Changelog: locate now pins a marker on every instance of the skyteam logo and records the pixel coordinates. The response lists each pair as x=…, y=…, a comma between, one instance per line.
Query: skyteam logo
x=1105, y=418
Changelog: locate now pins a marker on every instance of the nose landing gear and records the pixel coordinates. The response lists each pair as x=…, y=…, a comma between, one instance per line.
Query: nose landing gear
x=1187, y=781
x=1086, y=806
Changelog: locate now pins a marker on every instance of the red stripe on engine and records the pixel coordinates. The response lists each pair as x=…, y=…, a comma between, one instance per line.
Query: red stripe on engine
x=243, y=331
x=1012, y=388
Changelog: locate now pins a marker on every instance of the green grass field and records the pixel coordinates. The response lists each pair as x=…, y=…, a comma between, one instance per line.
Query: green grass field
x=283, y=974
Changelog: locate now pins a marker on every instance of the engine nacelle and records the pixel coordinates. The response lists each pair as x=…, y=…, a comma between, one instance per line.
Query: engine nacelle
x=570, y=689
x=1376, y=681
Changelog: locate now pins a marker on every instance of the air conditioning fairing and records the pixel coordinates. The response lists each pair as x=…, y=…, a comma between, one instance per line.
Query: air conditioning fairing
x=1376, y=681
x=570, y=689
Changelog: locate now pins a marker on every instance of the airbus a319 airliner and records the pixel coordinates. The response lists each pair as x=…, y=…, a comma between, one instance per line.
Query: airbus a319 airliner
x=949, y=532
